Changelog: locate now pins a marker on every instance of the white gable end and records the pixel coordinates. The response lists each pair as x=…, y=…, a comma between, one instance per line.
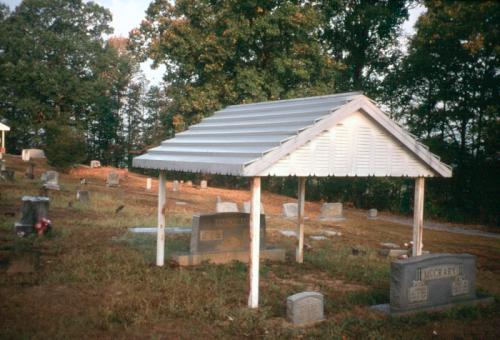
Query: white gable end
x=356, y=146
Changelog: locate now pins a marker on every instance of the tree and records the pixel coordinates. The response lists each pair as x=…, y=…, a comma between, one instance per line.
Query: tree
x=225, y=52
x=447, y=91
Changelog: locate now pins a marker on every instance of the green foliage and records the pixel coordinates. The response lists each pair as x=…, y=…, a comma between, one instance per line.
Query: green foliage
x=65, y=145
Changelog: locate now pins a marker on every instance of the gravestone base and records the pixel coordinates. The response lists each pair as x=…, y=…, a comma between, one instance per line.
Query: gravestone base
x=189, y=259
x=386, y=308
x=333, y=219
x=51, y=186
x=23, y=229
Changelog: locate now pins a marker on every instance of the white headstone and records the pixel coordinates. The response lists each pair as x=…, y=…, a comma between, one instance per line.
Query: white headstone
x=28, y=154
x=372, y=214
x=189, y=184
x=331, y=212
x=175, y=185
x=290, y=210
x=305, y=308
x=203, y=184
x=148, y=183
x=95, y=164
x=83, y=196
x=113, y=179
x=2, y=166
x=222, y=207
x=246, y=207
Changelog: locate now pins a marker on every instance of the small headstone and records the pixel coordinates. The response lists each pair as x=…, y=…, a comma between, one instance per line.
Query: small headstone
x=83, y=181
x=288, y=233
x=148, y=183
x=203, y=184
x=429, y=281
x=290, y=210
x=175, y=185
x=7, y=174
x=226, y=207
x=51, y=180
x=180, y=203
x=189, y=184
x=389, y=245
x=305, y=308
x=331, y=212
x=2, y=165
x=30, y=171
x=318, y=237
x=34, y=208
x=394, y=253
x=246, y=208
x=181, y=182
x=332, y=233
x=113, y=179
x=83, y=196
x=28, y=154
x=95, y=164
x=372, y=214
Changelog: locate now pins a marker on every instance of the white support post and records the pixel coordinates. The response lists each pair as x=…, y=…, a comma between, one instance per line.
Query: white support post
x=4, y=149
x=299, y=253
x=162, y=207
x=418, y=216
x=253, y=297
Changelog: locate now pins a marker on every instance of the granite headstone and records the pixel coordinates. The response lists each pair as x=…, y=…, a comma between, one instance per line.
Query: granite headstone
x=305, y=308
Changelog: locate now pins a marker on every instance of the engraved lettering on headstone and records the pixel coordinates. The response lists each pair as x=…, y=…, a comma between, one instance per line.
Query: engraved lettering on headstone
x=211, y=235
x=418, y=292
x=460, y=286
x=440, y=272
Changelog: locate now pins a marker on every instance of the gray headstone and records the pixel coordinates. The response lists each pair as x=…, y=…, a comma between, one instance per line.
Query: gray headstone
x=51, y=180
x=113, y=179
x=7, y=174
x=95, y=164
x=305, y=308
x=372, y=214
x=223, y=232
x=318, y=237
x=148, y=183
x=203, y=184
x=394, y=253
x=83, y=196
x=331, y=212
x=246, y=208
x=430, y=281
x=226, y=207
x=175, y=185
x=33, y=209
x=290, y=210
x=30, y=171
x=2, y=165
x=389, y=245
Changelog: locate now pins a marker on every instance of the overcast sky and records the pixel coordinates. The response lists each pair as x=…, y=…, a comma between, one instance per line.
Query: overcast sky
x=128, y=14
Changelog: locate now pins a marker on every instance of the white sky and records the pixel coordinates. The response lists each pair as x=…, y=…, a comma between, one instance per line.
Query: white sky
x=128, y=14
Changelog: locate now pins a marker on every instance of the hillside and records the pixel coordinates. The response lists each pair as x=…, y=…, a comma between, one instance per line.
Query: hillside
x=92, y=278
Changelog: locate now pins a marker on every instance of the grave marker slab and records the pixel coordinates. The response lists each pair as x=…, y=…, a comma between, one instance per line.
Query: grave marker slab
x=372, y=214
x=331, y=212
x=222, y=238
x=28, y=154
x=33, y=209
x=290, y=210
x=51, y=180
x=95, y=164
x=148, y=183
x=83, y=196
x=175, y=186
x=226, y=207
x=113, y=179
x=203, y=184
x=432, y=280
x=305, y=308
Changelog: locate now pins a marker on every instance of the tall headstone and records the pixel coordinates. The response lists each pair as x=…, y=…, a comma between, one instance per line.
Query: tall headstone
x=203, y=184
x=223, y=238
x=113, y=179
x=34, y=208
x=83, y=196
x=30, y=171
x=372, y=214
x=175, y=185
x=305, y=308
x=2, y=165
x=429, y=281
x=95, y=164
x=51, y=180
x=148, y=183
x=290, y=210
x=331, y=212
x=226, y=207
x=28, y=154
x=246, y=208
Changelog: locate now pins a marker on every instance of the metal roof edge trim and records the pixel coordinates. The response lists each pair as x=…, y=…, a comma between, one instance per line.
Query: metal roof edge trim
x=208, y=168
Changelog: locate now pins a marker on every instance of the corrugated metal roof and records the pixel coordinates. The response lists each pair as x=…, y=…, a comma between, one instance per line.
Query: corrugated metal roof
x=242, y=135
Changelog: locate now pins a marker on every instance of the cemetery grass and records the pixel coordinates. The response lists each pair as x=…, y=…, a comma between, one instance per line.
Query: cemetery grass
x=92, y=278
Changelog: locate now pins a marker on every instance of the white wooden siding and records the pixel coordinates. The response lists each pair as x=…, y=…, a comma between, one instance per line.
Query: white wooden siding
x=356, y=146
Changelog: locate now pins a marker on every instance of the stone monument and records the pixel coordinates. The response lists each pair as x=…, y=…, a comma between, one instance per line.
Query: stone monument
x=113, y=179
x=372, y=214
x=28, y=154
x=175, y=185
x=223, y=238
x=331, y=212
x=290, y=210
x=51, y=180
x=305, y=308
x=30, y=171
x=189, y=184
x=203, y=184
x=34, y=208
x=95, y=164
x=83, y=196
x=226, y=207
x=148, y=183
x=7, y=174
